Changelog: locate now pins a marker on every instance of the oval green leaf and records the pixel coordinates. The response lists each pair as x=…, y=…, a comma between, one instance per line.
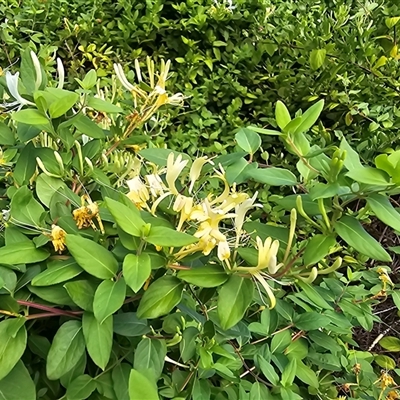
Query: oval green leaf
x=272, y=176
x=207, y=276
x=137, y=270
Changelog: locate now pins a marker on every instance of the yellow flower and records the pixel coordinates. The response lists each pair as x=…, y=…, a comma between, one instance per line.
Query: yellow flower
x=138, y=192
x=58, y=238
x=174, y=169
x=155, y=184
x=393, y=395
x=223, y=251
x=183, y=204
x=195, y=170
x=267, y=253
x=85, y=214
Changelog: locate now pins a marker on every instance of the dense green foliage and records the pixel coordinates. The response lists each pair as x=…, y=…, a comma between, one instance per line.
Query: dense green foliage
x=234, y=64
x=131, y=267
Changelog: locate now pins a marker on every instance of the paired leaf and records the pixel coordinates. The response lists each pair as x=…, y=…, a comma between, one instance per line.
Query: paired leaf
x=207, y=276
x=137, y=270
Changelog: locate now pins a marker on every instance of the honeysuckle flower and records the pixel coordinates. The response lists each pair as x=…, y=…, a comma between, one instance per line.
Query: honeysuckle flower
x=223, y=251
x=267, y=288
x=155, y=184
x=58, y=238
x=61, y=73
x=38, y=70
x=184, y=205
x=122, y=77
x=195, y=170
x=174, y=169
x=267, y=253
x=12, y=85
x=138, y=192
x=85, y=214
x=241, y=210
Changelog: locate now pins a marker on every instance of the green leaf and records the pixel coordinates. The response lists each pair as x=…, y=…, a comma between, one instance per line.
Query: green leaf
x=317, y=58
x=166, y=237
x=25, y=209
x=57, y=271
x=264, y=231
x=88, y=127
x=63, y=104
x=352, y=232
x=234, y=298
x=268, y=370
x=150, y=355
x=237, y=172
x=22, y=253
x=66, y=350
x=352, y=160
x=317, y=248
x=289, y=373
x=98, y=338
x=391, y=21
x=46, y=186
x=81, y=388
x=104, y=106
x=369, y=176
x=282, y=115
x=248, y=140
x=207, y=276
x=126, y=218
x=6, y=135
x=89, y=80
x=311, y=321
x=263, y=131
x=26, y=165
x=273, y=176
x=159, y=156
x=82, y=293
x=141, y=387
x=187, y=346
x=129, y=325
x=54, y=294
x=259, y=391
x=280, y=341
x=306, y=374
x=385, y=362
x=160, y=298
x=310, y=117
x=30, y=117
x=92, y=257
x=314, y=296
x=12, y=344
x=390, y=343
x=18, y=384
x=120, y=378
x=137, y=270
x=108, y=298
x=383, y=209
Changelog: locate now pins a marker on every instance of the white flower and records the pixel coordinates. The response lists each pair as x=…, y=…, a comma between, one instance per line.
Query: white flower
x=195, y=170
x=122, y=77
x=138, y=192
x=61, y=74
x=38, y=70
x=223, y=250
x=267, y=253
x=241, y=210
x=174, y=169
x=12, y=85
x=155, y=184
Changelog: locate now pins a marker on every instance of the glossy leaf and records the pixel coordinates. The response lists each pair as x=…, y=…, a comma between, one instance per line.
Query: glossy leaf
x=310, y=117
x=352, y=232
x=150, y=355
x=273, y=176
x=207, y=276
x=129, y=325
x=18, y=384
x=92, y=257
x=383, y=209
x=30, y=116
x=82, y=293
x=141, y=387
x=282, y=115
x=166, y=237
x=66, y=350
x=160, y=298
x=317, y=248
x=57, y=272
x=248, y=140
x=108, y=298
x=81, y=388
x=234, y=297
x=136, y=270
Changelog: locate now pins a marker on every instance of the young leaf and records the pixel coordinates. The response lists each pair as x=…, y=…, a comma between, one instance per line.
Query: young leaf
x=12, y=344
x=352, y=160
x=98, y=338
x=289, y=373
x=383, y=209
x=234, y=298
x=272, y=176
x=81, y=388
x=280, y=341
x=309, y=118
x=66, y=350
x=282, y=115
x=108, y=299
x=352, y=232
x=317, y=58
x=248, y=140
x=166, y=237
x=160, y=298
x=92, y=257
x=150, y=355
x=57, y=271
x=137, y=270
x=63, y=104
x=141, y=387
x=126, y=218
x=369, y=176
x=30, y=116
x=104, y=106
x=390, y=343
x=6, y=135
x=18, y=384
x=306, y=374
x=207, y=276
